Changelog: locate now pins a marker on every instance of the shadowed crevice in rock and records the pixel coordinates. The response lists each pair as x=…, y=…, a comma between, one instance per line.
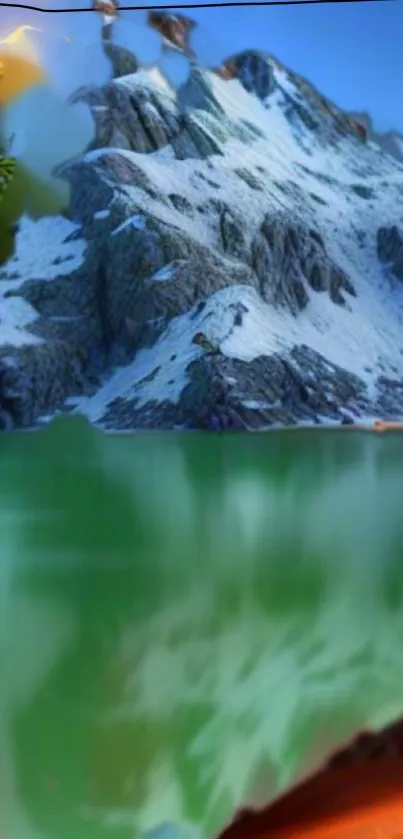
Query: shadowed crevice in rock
x=390, y=249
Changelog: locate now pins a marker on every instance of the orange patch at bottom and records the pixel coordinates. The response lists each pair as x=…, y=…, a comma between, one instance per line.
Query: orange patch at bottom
x=361, y=801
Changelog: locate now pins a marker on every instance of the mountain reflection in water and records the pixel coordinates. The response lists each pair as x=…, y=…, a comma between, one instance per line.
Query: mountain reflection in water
x=189, y=623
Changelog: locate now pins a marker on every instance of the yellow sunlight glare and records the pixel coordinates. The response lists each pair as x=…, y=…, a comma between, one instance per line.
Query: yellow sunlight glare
x=19, y=66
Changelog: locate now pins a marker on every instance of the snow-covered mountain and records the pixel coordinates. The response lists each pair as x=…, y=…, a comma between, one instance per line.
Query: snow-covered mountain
x=233, y=258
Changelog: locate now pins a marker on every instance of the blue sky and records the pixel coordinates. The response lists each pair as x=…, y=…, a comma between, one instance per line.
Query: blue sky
x=353, y=52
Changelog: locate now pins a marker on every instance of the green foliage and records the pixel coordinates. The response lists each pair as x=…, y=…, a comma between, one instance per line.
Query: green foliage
x=7, y=171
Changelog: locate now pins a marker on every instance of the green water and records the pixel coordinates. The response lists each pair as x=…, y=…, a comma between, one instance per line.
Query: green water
x=188, y=623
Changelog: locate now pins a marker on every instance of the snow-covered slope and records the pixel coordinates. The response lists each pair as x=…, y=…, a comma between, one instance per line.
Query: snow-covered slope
x=233, y=274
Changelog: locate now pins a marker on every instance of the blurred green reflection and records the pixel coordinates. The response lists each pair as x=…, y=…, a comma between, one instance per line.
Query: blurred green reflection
x=188, y=622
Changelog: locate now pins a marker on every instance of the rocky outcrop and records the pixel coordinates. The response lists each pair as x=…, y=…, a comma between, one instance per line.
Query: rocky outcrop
x=253, y=69
x=256, y=71
x=330, y=119
x=36, y=381
x=390, y=249
x=389, y=243
x=289, y=259
x=139, y=114
x=228, y=394
x=132, y=116
x=69, y=350
x=122, y=60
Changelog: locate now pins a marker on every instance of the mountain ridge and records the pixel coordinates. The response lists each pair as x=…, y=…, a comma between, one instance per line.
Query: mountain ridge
x=177, y=30
x=229, y=260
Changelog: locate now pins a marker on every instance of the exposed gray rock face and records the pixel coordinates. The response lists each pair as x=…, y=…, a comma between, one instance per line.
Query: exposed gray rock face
x=197, y=92
x=228, y=394
x=249, y=178
x=232, y=235
x=390, y=249
x=144, y=117
x=122, y=60
x=36, y=379
x=363, y=191
x=253, y=69
x=256, y=72
x=390, y=397
x=288, y=259
x=130, y=254
x=131, y=116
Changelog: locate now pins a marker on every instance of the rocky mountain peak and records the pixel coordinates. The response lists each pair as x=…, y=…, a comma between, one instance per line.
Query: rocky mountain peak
x=255, y=71
x=231, y=259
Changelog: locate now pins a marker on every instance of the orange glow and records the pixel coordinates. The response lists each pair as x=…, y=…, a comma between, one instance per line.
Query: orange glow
x=377, y=425
x=19, y=65
x=362, y=801
x=18, y=75
x=19, y=71
x=382, y=425
x=378, y=822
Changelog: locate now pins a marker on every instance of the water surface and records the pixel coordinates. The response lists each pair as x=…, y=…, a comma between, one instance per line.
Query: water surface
x=188, y=623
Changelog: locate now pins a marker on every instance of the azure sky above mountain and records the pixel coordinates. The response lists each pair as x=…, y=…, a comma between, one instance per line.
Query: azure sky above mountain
x=350, y=51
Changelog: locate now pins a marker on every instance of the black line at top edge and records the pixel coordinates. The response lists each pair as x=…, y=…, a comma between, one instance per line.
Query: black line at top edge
x=214, y=5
